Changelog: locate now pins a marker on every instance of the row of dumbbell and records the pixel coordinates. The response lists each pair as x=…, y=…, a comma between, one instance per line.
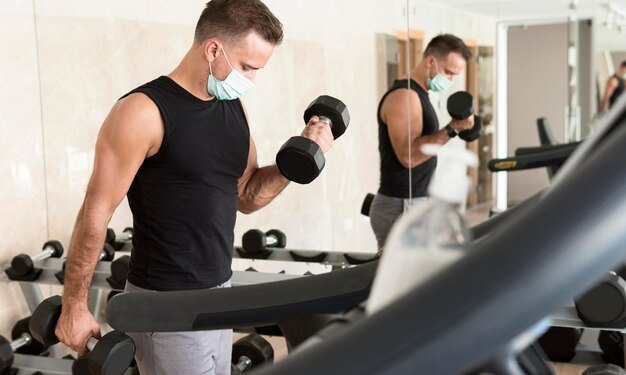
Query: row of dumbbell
x=23, y=266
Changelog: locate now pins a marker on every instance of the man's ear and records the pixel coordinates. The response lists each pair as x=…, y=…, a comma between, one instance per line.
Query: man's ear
x=212, y=49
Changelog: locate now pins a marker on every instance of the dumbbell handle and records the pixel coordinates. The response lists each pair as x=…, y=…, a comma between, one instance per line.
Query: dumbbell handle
x=45, y=254
x=326, y=120
x=122, y=237
x=23, y=340
x=243, y=363
x=91, y=343
x=271, y=241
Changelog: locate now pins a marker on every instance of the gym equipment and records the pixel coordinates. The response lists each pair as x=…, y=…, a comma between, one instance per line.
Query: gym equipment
x=604, y=305
x=110, y=355
x=23, y=266
x=107, y=254
x=255, y=241
x=118, y=240
x=22, y=342
x=367, y=204
x=119, y=270
x=460, y=106
x=604, y=370
x=535, y=157
x=559, y=343
x=300, y=159
x=612, y=346
x=251, y=351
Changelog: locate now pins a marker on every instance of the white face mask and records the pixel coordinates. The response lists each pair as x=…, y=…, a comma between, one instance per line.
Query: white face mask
x=234, y=86
x=439, y=83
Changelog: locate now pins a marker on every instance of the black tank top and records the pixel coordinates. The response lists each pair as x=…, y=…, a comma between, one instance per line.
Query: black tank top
x=184, y=198
x=619, y=90
x=394, y=177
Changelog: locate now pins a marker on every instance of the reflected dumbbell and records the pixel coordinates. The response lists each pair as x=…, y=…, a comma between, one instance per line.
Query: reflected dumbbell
x=119, y=271
x=110, y=355
x=118, y=240
x=461, y=106
x=22, y=342
x=255, y=241
x=367, y=204
x=23, y=266
x=106, y=255
x=249, y=352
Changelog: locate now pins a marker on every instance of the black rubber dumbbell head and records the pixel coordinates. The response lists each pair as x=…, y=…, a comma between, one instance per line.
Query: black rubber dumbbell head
x=612, y=345
x=34, y=347
x=460, y=105
x=332, y=108
x=110, y=236
x=112, y=355
x=367, y=204
x=44, y=321
x=6, y=355
x=254, y=347
x=253, y=241
x=604, y=305
x=300, y=160
x=108, y=252
x=474, y=133
x=280, y=236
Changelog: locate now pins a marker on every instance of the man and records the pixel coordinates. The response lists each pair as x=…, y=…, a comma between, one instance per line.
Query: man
x=614, y=88
x=180, y=148
x=444, y=58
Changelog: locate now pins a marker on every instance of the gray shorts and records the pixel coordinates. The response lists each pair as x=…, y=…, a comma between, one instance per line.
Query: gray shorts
x=386, y=210
x=192, y=353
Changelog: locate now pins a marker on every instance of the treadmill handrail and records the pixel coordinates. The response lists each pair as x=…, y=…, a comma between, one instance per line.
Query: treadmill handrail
x=242, y=306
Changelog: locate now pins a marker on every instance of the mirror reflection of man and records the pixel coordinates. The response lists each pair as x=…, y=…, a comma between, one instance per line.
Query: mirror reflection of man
x=444, y=58
x=614, y=88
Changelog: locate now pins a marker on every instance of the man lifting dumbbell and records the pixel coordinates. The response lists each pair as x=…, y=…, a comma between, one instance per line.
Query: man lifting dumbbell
x=112, y=354
x=401, y=158
x=180, y=148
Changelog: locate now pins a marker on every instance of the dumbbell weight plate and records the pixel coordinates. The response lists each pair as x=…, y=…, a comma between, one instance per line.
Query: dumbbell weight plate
x=332, y=108
x=254, y=347
x=605, y=304
x=300, y=160
x=474, y=133
x=281, y=238
x=460, y=105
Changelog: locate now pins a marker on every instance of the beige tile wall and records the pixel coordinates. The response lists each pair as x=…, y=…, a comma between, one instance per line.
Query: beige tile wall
x=61, y=78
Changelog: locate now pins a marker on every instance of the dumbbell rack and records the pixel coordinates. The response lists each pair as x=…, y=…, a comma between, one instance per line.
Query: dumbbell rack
x=567, y=317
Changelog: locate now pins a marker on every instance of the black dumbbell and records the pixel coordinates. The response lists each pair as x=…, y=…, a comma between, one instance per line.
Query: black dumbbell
x=300, y=159
x=604, y=305
x=559, y=343
x=119, y=270
x=249, y=352
x=23, y=266
x=461, y=106
x=22, y=342
x=255, y=241
x=110, y=355
x=367, y=204
x=107, y=254
x=611, y=344
x=118, y=240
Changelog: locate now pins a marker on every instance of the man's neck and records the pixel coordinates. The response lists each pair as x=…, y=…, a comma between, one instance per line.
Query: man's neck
x=191, y=75
x=419, y=75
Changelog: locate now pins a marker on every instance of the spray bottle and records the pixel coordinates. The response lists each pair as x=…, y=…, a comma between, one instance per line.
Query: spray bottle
x=427, y=239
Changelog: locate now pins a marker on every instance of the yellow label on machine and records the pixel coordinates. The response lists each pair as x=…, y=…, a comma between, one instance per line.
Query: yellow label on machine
x=506, y=164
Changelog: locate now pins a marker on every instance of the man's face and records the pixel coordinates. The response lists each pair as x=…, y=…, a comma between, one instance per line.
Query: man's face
x=248, y=56
x=452, y=66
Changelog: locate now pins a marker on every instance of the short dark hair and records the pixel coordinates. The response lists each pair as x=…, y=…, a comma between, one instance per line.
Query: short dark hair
x=232, y=20
x=442, y=45
x=623, y=65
